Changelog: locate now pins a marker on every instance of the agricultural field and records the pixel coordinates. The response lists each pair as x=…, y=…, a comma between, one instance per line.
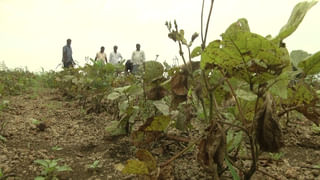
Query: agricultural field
x=248, y=109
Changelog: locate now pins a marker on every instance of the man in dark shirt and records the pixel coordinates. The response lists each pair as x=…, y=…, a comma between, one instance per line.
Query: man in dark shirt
x=67, y=55
x=128, y=67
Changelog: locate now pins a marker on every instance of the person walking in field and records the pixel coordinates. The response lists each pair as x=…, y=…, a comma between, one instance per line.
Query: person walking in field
x=101, y=56
x=138, y=58
x=115, y=57
x=67, y=59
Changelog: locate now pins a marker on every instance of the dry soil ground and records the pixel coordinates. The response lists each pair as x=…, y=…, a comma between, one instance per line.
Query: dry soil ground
x=79, y=139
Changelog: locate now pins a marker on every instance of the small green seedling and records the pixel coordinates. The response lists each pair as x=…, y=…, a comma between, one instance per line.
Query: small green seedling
x=56, y=148
x=316, y=166
x=1, y=173
x=3, y=138
x=94, y=165
x=4, y=104
x=35, y=121
x=315, y=129
x=276, y=156
x=50, y=169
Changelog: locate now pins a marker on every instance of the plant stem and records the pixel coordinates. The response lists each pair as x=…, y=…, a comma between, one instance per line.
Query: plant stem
x=234, y=125
x=144, y=84
x=209, y=94
x=207, y=26
x=243, y=120
x=202, y=38
x=288, y=110
x=253, y=167
x=179, y=154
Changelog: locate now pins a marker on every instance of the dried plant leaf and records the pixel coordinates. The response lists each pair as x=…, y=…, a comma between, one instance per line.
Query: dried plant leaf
x=147, y=158
x=156, y=93
x=212, y=151
x=179, y=84
x=268, y=132
x=166, y=173
x=310, y=112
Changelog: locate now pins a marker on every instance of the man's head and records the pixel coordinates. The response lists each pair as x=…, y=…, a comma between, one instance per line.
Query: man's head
x=115, y=48
x=102, y=49
x=68, y=42
x=138, y=47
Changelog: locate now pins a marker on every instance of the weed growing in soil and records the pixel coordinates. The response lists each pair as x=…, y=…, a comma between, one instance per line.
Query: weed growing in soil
x=315, y=129
x=276, y=156
x=1, y=174
x=94, y=165
x=51, y=169
x=56, y=148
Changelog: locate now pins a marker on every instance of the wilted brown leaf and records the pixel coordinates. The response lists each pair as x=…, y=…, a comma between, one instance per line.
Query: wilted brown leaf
x=166, y=173
x=146, y=156
x=177, y=100
x=212, y=151
x=179, y=83
x=310, y=111
x=142, y=139
x=156, y=93
x=268, y=132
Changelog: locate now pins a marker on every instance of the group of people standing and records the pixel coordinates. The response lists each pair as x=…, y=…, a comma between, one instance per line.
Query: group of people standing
x=137, y=58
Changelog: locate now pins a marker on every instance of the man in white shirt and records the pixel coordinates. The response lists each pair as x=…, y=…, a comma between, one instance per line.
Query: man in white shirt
x=138, y=58
x=101, y=56
x=115, y=57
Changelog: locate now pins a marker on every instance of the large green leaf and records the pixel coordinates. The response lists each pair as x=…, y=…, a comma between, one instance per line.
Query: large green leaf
x=297, y=15
x=113, y=96
x=134, y=90
x=311, y=65
x=279, y=85
x=153, y=70
x=246, y=95
x=196, y=52
x=122, y=89
x=63, y=168
x=246, y=55
x=115, y=129
x=123, y=107
x=240, y=25
x=297, y=56
x=233, y=140
x=44, y=163
x=301, y=94
x=162, y=107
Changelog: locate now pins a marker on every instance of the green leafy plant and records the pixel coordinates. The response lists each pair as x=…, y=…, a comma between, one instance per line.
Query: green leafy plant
x=242, y=85
x=255, y=72
x=50, y=169
x=15, y=82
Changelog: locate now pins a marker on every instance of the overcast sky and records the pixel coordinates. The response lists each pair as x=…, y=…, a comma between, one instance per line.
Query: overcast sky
x=33, y=32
